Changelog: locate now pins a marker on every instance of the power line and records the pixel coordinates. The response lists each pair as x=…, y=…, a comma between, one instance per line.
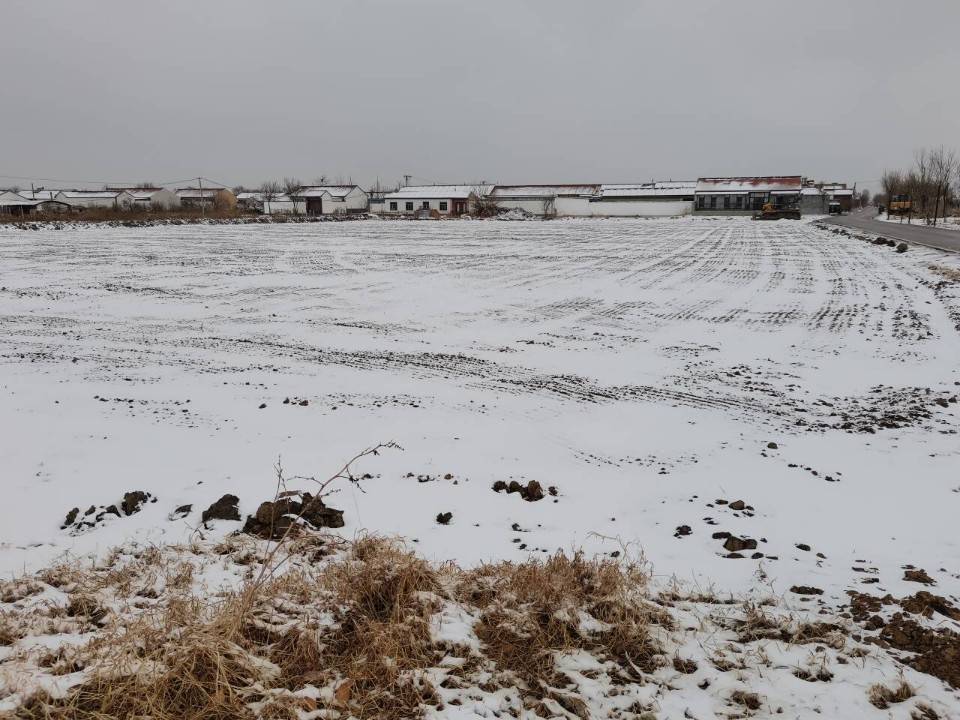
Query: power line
x=91, y=182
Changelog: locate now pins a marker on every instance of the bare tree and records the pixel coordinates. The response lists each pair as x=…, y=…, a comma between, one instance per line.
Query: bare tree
x=291, y=186
x=865, y=197
x=549, y=206
x=482, y=204
x=892, y=183
x=322, y=180
x=922, y=180
x=943, y=165
x=269, y=191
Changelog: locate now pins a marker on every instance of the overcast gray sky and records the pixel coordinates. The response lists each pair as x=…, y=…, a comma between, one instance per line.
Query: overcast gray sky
x=501, y=90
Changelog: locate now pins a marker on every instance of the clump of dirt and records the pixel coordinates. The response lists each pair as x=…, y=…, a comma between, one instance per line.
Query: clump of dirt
x=95, y=515
x=226, y=508
x=734, y=544
x=937, y=651
x=531, y=492
x=926, y=604
x=884, y=408
x=180, y=512
x=806, y=590
x=862, y=606
x=444, y=518
x=290, y=511
x=918, y=575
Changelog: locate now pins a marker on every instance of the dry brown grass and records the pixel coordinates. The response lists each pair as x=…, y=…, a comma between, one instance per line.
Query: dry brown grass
x=122, y=214
x=358, y=624
x=530, y=611
x=951, y=274
x=882, y=697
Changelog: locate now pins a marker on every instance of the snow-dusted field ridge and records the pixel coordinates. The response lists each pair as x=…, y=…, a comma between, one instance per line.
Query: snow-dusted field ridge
x=644, y=369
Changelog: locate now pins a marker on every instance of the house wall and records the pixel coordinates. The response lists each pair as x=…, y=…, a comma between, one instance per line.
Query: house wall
x=569, y=206
x=357, y=200
x=667, y=207
x=720, y=209
x=813, y=205
x=280, y=207
x=432, y=203
x=89, y=202
x=530, y=205
x=161, y=198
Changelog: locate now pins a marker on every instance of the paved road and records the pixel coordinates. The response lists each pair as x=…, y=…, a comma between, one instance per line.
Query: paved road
x=919, y=234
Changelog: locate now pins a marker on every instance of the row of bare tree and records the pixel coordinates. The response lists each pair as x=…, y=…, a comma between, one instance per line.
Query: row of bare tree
x=930, y=184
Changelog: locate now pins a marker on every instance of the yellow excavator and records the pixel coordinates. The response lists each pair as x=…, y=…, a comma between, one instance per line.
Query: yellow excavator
x=772, y=212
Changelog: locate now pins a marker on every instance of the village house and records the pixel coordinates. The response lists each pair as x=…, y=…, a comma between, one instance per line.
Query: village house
x=545, y=200
x=839, y=193
x=268, y=204
x=332, y=199
x=151, y=198
x=12, y=203
x=85, y=199
x=207, y=198
x=653, y=199
x=746, y=195
x=434, y=200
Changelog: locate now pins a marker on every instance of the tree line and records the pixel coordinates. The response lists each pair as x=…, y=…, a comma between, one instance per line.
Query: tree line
x=927, y=189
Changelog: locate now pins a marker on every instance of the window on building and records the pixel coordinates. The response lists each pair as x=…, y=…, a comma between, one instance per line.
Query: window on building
x=726, y=202
x=393, y=205
x=700, y=202
x=443, y=205
x=409, y=206
x=713, y=202
x=739, y=202
x=425, y=204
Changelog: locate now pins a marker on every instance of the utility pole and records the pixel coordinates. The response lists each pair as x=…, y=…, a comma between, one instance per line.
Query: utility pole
x=406, y=180
x=203, y=206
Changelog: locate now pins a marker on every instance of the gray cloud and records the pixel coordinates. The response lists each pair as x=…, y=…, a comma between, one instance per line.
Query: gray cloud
x=507, y=90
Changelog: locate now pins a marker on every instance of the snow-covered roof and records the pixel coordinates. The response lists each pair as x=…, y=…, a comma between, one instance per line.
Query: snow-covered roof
x=811, y=191
x=144, y=193
x=40, y=194
x=540, y=191
x=749, y=184
x=198, y=193
x=337, y=191
x=12, y=199
x=8, y=197
x=652, y=189
x=442, y=192
x=92, y=194
x=261, y=197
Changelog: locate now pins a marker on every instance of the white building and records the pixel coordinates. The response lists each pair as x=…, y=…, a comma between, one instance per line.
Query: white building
x=206, y=197
x=82, y=199
x=442, y=200
x=546, y=200
x=12, y=203
x=278, y=204
x=149, y=198
x=332, y=199
x=653, y=199
x=746, y=195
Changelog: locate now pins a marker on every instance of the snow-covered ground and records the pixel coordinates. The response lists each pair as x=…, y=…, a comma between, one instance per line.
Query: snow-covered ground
x=951, y=223
x=643, y=368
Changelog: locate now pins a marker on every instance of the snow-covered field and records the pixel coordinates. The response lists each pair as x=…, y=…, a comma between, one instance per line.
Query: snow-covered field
x=645, y=369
